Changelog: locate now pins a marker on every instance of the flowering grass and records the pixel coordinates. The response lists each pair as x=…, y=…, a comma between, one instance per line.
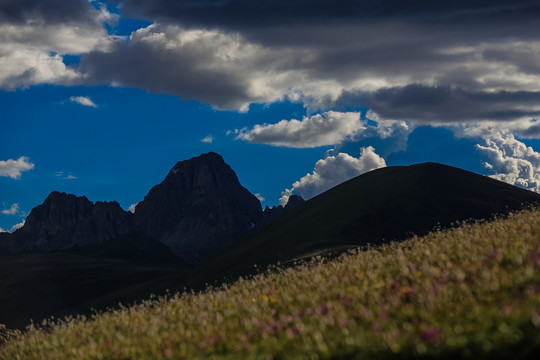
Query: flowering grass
x=470, y=292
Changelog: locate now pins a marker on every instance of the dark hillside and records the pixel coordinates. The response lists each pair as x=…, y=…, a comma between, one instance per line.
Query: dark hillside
x=39, y=285
x=381, y=206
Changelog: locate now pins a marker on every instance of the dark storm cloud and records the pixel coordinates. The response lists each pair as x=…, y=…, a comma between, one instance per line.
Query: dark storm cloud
x=422, y=60
x=20, y=12
x=446, y=104
x=238, y=52
x=236, y=14
x=530, y=132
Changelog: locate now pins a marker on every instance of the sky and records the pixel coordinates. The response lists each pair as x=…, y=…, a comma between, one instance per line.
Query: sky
x=102, y=98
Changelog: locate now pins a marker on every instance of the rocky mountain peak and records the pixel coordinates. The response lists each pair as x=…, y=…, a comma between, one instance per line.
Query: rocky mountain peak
x=64, y=221
x=294, y=201
x=199, y=208
x=270, y=213
x=202, y=175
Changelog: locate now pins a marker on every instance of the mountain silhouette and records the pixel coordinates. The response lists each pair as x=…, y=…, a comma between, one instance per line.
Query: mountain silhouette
x=200, y=225
x=199, y=208
x=66, y=221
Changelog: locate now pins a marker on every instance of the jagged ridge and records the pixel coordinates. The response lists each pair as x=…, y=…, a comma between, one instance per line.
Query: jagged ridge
x=199, y=208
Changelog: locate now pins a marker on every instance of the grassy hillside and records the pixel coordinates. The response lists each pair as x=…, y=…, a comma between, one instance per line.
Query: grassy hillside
x=470, y=292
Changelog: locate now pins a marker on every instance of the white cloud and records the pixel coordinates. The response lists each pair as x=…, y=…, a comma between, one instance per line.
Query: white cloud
x=62, y=175
x=328, y=128
x=17, y=226
x=2, y=230
x=83, y=100
x=259, y=196
x=14, y=209
x=483, y=68
x=386, y=128
x=21, y=67
x=13, y=168
x=332, y=171
x=32, y=50
x=511, y=161
x=523, y=128
x=207, y=139
x=132, y=208
x=402, y=64
x=221, y=68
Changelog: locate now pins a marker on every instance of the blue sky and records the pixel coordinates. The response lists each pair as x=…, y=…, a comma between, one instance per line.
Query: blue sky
x=102, y=98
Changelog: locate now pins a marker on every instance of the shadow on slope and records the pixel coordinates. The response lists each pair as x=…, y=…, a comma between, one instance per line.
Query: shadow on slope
x=38, y=285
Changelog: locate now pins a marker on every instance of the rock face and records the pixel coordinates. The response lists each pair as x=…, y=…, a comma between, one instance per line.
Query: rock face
x=65, y=221
x=270, y=213
x=294, y=201
x=199, y=208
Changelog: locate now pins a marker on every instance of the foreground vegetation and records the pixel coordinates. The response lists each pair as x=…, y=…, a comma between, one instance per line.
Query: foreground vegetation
x=470, y=292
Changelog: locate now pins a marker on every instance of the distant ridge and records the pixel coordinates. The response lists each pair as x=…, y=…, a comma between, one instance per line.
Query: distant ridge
x=199, y=208
x=67, y=221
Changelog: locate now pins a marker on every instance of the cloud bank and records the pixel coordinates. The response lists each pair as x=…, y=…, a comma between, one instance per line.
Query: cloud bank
x=35, y=34
x=511, y=161
x=14, y=168
x=332, y=171
x=328, y=128
x=428, y=62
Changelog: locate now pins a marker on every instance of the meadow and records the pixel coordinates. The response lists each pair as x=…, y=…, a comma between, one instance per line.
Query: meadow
x=468, y=292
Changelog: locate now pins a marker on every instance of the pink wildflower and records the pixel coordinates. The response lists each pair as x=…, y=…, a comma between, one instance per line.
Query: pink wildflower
x=432, y=334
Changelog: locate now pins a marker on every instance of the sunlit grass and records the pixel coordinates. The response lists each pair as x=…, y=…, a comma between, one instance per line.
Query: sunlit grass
x=469, y=292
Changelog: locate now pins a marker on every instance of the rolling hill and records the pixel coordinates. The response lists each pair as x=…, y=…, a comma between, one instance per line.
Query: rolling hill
x=384, y=205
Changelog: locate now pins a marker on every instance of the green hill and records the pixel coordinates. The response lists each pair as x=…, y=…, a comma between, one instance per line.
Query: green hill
x=470, y=292
x=384, y=205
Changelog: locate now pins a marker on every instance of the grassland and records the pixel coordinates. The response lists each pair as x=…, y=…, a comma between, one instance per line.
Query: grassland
x=470, y=292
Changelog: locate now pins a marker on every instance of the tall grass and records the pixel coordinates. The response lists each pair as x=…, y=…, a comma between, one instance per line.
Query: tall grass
x=471, y=292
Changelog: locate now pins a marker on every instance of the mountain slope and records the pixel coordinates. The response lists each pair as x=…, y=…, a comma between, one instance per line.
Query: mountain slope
x=199, y=208
x=468, y=293
x=383, y=205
